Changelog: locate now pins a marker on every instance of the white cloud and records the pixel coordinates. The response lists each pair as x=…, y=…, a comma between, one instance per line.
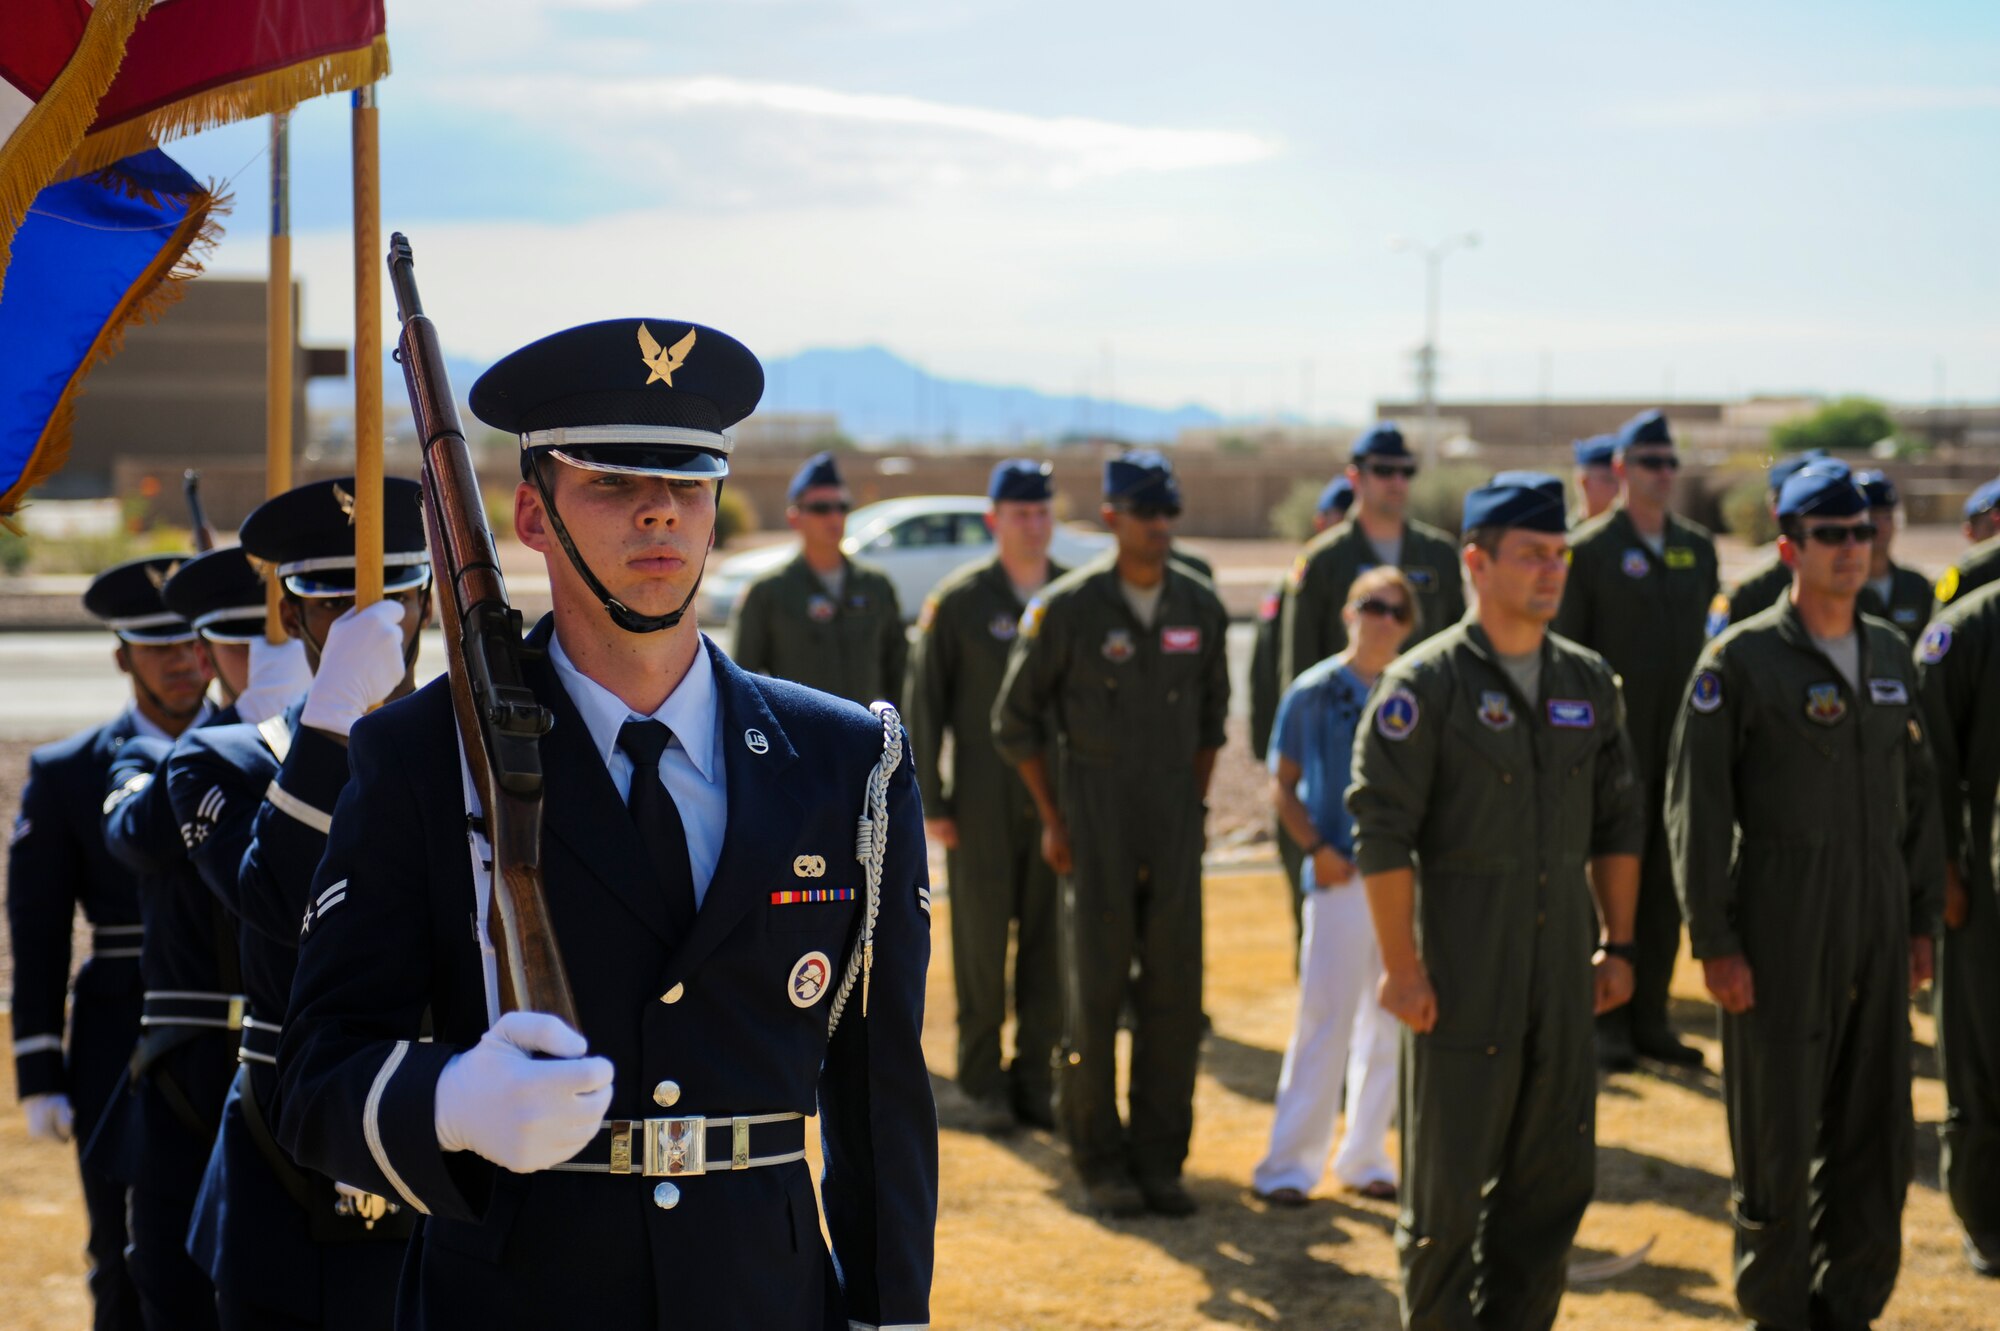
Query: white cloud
x=754, y=136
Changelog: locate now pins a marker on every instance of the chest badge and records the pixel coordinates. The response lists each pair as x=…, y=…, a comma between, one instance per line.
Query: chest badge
x=1396, y=717
x=1420, y=577
x=1635, y=563
x=1824, y=703
x=1706, y=695
x=1718, y=615
x=1936, y=642
x=1572, y=713
x=810, y=866
x=808, y=980
x=1496, y=709
x=1003, y=627
x=1679, y=557
x=1180, y=641
x=1887, y=691
x=754, y=741
x=1118, y=646
x=819, y=609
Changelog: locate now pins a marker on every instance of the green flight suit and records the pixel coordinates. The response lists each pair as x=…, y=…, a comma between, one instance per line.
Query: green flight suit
x=1498, y=803
x=1646, y=615
x=1265, y=692
x=1805, y=837
x=1958, y=661
x=1762, y=588
x=1310, y=625
x=1191, y=562
x=997, y=874
x=1980, y=566
x=853, y=647
x=1127, y=708
x=1908, y=607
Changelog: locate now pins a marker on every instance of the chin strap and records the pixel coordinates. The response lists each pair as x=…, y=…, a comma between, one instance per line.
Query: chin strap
x=184, y=714
x=621, y=614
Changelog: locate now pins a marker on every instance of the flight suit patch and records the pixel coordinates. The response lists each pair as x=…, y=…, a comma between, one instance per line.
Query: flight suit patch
x=819, y=609
x=927, y=615
x=1679, y=557
x=1947, y=585
x=1298, y=573
x=1824, y=703
x=1420, y=577
x=1397, y=716
x=1906, y=614
x=1572, y=713
x=1267, y=609
x=1180, y=641
x=1031, y=620
x=1718, y=615
x=1887, y=691
x=1936, y=642
x=1496, y=709
x=808, y=980
x=1002, y=627
x=858, y=601
x=1634, y=564
x=1118, y=647
x=1706, y=695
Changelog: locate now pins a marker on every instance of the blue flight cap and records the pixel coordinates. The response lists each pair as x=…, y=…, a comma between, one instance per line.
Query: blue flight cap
x=817, y=470
x=1532, y=500
x=1596, y=451
x=1821, y=489
x=1338, y=496
x=307, y=534
x=220, y=594
x=1648, y=427
x=127, y=598
x=1021, y=481
x=641, y=396
x=1383, y=440
x=1785, y=468
x=1142, y=476
x=1983, y=500
x=1877, y=488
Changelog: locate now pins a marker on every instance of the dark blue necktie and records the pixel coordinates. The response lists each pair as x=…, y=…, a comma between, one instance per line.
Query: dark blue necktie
x=659, y=822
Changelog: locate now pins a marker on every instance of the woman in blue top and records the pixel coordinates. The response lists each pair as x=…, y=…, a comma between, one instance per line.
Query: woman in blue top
x=1339, y=1029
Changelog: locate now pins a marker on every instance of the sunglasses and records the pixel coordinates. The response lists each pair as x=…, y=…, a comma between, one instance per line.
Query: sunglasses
x=1655, y=461
x=1148, y=512
x=822, y=507
x=1860, y=533
x=1395, y=610
x=1385, y=470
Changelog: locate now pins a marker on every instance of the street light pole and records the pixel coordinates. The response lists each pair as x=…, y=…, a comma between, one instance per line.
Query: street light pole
x=1427, y=354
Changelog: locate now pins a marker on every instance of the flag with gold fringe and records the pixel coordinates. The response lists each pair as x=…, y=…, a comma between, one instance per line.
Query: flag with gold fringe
x=83, y=85
x=94, y=255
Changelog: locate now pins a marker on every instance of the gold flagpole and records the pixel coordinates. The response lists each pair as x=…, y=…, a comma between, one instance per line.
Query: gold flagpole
x=278, y=349
x=367, y=352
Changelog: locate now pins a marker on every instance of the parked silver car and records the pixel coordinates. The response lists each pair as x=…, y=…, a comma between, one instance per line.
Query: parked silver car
x=916, y=541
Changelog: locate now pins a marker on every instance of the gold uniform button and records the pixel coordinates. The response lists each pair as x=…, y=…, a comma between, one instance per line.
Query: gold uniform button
x=667, y=1196
x=673, y=995
x=667, y=1094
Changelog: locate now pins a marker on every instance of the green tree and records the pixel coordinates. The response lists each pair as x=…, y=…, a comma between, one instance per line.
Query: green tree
x=1845, y=425
x=1292, y=517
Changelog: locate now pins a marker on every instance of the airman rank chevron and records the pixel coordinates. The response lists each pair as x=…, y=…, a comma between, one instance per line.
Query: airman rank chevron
x=797, y=895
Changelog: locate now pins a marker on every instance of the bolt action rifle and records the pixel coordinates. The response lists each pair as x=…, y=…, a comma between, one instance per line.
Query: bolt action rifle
x=500, y=723
x=204, y=535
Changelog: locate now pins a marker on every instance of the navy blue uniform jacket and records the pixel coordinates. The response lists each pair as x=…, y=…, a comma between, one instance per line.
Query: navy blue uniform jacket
x=57, y=861
x=712, y=1012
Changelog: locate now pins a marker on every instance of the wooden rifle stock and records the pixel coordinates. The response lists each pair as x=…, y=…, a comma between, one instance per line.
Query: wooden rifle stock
x=204, y=535
x=499, y=721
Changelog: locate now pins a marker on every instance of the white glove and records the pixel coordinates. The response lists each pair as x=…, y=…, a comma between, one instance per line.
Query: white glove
x=524, y=1113
x=49, y=1117
x=359, y=666
x=278, y=674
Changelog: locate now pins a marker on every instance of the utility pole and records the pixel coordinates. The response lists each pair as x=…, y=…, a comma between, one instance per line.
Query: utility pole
x=1427, y=354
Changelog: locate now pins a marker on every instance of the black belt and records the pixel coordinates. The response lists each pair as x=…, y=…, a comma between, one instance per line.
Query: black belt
x=184, y=1007
x=260, y=1042
x=110, y=942
x=679, y=1147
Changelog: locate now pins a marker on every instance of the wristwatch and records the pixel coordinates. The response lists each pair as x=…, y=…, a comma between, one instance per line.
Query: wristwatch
x=1625, y=952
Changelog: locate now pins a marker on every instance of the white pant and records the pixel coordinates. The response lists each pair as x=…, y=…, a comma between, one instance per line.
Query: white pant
x=1340, y=1028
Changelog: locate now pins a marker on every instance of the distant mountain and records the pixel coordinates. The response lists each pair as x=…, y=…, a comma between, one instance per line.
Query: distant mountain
x=879, y=398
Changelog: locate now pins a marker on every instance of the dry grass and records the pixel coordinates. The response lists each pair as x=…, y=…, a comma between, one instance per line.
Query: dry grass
x=1014, y=1250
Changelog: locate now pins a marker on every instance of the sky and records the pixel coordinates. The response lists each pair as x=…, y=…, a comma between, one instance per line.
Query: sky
x=1173, y=203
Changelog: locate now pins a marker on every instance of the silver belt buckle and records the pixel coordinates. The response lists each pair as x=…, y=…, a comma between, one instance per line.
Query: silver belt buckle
x=676, y=1146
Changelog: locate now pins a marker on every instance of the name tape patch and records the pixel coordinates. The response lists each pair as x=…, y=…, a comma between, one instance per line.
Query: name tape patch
x=1572, y=713
x=1180, y=641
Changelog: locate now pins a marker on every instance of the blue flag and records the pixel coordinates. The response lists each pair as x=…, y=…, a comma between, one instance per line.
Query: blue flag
x=93, y=256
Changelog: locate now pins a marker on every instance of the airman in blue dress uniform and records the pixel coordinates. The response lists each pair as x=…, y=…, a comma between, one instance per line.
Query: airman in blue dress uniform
x=58, y=862
x=739, y=958
x=285, y=1246
x=157, y=1134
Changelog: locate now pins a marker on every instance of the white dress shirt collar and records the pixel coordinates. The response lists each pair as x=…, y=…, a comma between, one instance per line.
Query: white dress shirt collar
x=690, y=711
